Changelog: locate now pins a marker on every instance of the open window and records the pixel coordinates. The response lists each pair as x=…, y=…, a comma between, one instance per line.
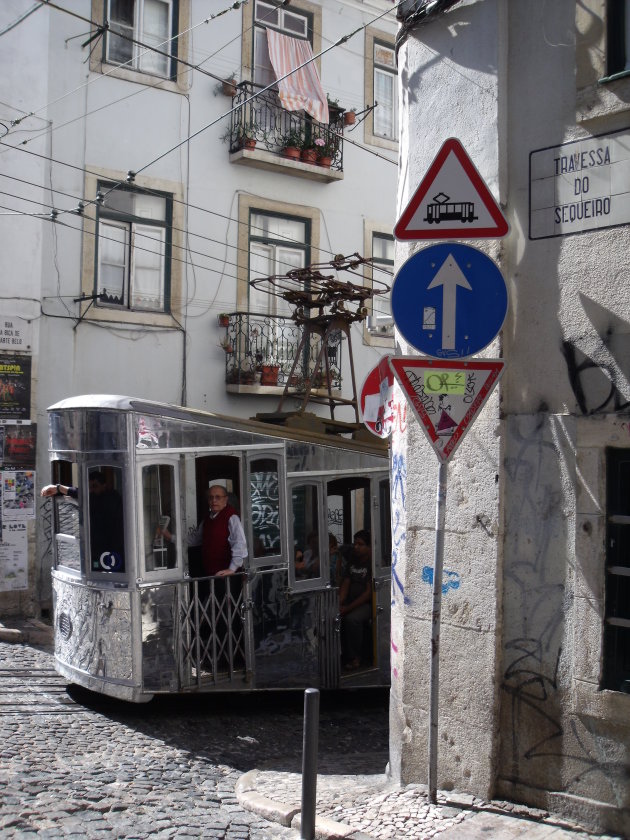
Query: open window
x=159, y=511
x=308, y=560
x=66, y=519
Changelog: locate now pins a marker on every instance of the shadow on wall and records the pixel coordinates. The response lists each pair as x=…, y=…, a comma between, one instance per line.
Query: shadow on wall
x=598, y=380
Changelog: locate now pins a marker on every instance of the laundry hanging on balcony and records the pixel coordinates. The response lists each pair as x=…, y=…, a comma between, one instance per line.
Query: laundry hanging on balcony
x=302, y=89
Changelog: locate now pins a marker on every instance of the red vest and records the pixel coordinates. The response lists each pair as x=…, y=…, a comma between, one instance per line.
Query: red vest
x=215, y=548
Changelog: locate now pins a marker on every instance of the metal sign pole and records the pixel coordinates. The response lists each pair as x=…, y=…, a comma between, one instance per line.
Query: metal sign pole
x=440, y=516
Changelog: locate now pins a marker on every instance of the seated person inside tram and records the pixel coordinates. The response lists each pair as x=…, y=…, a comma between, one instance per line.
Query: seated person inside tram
x=355, y=599
x=307, y=566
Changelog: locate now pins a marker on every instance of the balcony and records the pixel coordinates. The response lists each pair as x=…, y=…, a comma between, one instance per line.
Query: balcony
x=261, y=134
x=260, y=351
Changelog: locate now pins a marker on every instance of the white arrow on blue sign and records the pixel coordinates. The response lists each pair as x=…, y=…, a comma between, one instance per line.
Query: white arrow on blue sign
x=449, y=301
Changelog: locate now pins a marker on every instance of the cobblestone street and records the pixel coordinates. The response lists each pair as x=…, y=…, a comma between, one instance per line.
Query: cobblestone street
x=78, y=765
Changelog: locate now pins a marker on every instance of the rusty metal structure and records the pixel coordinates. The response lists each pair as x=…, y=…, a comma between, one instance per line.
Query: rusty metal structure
x=324, y=308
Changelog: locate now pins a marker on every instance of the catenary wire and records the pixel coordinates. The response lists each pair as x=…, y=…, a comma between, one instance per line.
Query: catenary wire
x=184, y=204
x=100, y=28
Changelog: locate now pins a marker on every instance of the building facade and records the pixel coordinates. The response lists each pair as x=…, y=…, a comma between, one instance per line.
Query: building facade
x=534, y=701
x=135, y=213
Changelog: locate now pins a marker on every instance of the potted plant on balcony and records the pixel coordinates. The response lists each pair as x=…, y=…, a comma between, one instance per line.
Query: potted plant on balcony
x=308, y=153
x=325, y=151
x=228, y=86
x=224, y=319
x=291, y=143
x=334, y=109
x=349, y=117
x=226, y=344
x=269, y=371
x=247, y=135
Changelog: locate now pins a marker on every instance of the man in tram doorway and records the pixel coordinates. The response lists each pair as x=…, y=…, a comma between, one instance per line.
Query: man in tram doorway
x=223, y=552
x=220, y=535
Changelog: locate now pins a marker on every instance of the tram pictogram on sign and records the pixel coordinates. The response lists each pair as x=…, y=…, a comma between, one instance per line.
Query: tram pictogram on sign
x=452, y=202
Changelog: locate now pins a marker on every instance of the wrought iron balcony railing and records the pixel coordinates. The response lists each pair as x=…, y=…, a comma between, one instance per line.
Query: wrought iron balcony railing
x=261, y=349
x=273, y=129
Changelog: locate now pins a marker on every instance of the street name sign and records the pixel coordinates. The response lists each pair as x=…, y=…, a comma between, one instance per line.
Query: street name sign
x=446, y=396
x=579, y=186
x=377, y=399
x=452, y=202
x=449, y=300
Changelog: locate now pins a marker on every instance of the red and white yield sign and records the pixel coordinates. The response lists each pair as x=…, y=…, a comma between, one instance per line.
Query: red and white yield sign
x=377, y=399
x=452, y=202
x=446, y=396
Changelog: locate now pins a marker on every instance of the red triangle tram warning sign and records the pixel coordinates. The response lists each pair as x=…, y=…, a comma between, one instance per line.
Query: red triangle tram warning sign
x=452, y=202
x=446, y=396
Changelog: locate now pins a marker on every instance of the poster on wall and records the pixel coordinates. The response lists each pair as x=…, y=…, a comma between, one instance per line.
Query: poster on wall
x=13, y=557
x=15, y=387
x=18, y=495
x=17, y=445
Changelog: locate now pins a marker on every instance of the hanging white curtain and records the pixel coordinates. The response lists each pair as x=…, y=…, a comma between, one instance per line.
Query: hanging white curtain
x=301, y=90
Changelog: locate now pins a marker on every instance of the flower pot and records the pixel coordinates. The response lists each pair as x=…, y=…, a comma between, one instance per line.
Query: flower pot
x=324, y=160
x=248, y=143
x=224, y=320
x=349, y=118
x=269, y=374
x=228, y=87
x=291, y=152
x=309, y=155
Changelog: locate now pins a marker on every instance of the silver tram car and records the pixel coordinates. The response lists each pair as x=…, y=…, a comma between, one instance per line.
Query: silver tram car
x=138, y=618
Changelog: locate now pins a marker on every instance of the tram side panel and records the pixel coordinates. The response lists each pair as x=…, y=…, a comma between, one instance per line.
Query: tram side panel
x=286, y=644
x=92, y=639
x=158, y=609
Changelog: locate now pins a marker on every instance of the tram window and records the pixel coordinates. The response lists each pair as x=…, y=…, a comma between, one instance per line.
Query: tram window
x=66, y=518
x=265, y=506
x=107, y=533
x=305, y=532
x=159, y=511
x=384, y=506
x=348, y=502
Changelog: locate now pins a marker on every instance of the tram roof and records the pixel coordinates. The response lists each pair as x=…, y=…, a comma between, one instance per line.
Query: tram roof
x=301, y=427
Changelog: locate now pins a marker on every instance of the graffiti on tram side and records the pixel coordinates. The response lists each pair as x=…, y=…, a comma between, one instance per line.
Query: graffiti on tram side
x=265, y=500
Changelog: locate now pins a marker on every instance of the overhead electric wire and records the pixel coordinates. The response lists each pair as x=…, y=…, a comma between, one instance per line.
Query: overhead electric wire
x=146, y=86
x=149, y=191
x=21, y=18
x=53, y=217
x=337, y=43
x=100, y=28
x=190, y=137
x=197, y=301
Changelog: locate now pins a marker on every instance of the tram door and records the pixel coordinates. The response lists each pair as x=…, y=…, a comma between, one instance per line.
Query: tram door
x=362, y=503
x=220, y=627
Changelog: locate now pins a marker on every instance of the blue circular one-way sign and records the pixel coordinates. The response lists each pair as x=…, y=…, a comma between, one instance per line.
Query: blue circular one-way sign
x=449, y=300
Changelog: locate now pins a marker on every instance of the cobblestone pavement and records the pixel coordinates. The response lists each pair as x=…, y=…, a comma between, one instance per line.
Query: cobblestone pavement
x=74, y=764
x=95, y=768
